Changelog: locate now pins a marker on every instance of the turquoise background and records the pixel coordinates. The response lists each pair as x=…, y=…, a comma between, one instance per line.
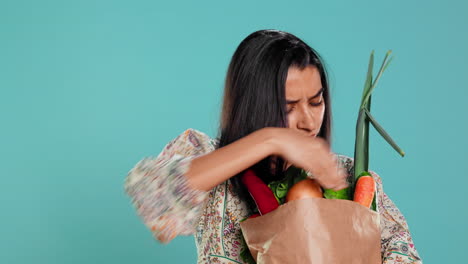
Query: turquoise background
x=88, y=88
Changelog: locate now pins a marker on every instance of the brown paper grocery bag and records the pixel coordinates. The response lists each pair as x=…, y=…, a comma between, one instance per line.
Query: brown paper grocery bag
x=315, y=230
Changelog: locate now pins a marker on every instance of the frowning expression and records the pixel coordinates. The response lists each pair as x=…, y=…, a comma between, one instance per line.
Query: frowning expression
x=305, y=104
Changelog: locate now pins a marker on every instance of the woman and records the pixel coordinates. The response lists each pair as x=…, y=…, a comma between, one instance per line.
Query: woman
x=276, y=113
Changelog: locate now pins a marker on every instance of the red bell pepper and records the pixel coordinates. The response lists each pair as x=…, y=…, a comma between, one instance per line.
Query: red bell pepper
x=260, y=192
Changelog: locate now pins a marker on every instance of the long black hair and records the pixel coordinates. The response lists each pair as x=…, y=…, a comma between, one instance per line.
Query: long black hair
x=254, y=94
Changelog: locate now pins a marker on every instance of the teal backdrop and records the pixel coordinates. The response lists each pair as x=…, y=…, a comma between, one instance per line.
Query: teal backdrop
x=88, y=88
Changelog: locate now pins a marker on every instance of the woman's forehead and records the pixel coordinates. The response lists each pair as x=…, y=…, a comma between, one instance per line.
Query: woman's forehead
x=302, y=84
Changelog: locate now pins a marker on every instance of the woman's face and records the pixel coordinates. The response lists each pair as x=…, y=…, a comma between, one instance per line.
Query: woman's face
x=305, y=104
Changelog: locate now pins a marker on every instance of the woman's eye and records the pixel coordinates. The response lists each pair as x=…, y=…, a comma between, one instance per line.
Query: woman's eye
x=311, y=103
x=316, y=104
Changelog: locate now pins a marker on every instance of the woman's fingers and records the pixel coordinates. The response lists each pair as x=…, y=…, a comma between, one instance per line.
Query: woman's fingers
x=333, y=176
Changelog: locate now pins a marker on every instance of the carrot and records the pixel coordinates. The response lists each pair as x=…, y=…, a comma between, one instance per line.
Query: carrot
x=260, y=192
x=365, y=190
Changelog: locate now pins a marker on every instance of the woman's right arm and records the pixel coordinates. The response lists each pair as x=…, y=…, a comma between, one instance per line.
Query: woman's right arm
x=169, y=192
x=311, y=154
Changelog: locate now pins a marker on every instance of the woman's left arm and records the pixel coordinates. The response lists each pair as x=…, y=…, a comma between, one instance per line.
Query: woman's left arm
x=396, y=241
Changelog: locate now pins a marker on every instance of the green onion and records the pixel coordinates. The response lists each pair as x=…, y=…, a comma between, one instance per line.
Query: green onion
x=361, y=148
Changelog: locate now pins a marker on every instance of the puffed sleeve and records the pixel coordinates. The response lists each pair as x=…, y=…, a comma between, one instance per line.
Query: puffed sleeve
x=397, y=243
x=159, y=189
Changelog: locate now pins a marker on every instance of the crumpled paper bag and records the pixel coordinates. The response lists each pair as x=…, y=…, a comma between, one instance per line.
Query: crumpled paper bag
x=315, y=230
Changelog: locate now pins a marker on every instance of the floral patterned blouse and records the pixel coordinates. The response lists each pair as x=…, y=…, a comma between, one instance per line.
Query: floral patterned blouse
x=160, y=193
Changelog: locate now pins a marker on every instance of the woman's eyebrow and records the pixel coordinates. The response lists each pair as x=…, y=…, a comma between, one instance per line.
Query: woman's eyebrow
x=312, y=97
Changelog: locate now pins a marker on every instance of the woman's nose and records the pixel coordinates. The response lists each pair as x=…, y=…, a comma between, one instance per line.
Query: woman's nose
x=307, y=122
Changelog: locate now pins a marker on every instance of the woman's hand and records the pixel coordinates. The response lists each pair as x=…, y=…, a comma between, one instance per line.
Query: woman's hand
x=312, y=154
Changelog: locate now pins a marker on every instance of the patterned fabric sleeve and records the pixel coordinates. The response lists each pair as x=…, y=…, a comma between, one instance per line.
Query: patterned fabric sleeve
x=160, y=192
x=397, y=244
